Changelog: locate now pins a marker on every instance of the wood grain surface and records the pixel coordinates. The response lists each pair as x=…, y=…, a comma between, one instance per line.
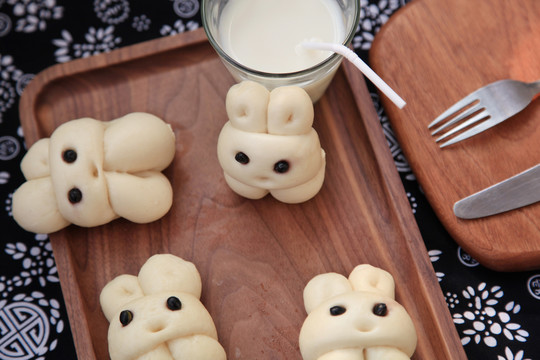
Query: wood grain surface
x=255, y=257
x=434, y=52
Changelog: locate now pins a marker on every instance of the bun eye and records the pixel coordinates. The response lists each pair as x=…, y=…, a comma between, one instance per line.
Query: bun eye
x=74, y=195
x=69, y=156
x=337, y=310
x=241, y=158
x=174, y=303
x=380, y=309
x=281, y=166
x=125, y=317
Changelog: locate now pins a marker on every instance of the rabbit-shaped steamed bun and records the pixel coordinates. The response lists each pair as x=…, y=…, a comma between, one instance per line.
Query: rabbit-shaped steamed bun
x=90, y=172
x=158, y=314
x=355, y=318
x=269, y=146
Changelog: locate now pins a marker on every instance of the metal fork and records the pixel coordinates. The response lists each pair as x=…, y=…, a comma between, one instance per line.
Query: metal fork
x=489, y=105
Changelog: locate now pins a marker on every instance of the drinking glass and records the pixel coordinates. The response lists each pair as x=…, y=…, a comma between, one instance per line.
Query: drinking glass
x=314, y=79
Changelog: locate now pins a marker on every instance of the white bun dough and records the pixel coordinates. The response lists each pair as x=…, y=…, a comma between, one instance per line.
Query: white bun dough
x=355, y=318
x=144, y=325
x=90, y=172
x=269, y=146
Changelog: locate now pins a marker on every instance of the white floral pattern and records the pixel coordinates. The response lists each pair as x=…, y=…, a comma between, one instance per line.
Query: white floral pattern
x=372, y=17
x=12, y=82
x=178, y=27
x=27, y=322
x=186, y=8
x=9, y=148
x=112, y=12
x=434, y=256
x=37, y=262
x=452, y=300
x=98, y=41
x=34, y=14
x=412, y=201
x=484, y=319
x=509, y=355
x=7, y=90
x=7, y=206
x=5, y=24
x=141, y=23
x=533, y=285
x=4, y=177
x=481, y=315
x=465, y=258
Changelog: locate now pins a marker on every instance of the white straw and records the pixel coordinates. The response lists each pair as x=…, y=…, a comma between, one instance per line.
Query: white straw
x=361, y=65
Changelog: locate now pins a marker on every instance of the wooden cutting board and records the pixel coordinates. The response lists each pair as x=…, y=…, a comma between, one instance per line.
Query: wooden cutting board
x=434, y=52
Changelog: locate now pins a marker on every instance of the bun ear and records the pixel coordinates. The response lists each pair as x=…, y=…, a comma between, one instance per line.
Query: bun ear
x=247, y=104
x=323, y=287
x=290, y=111
x=35, y=208
x=166, y=272
x=117, y=293
x=371, y=279
x=137, y=142
x=35, y=164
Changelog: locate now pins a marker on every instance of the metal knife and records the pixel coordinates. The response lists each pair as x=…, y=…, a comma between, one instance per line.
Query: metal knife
x=517, y=191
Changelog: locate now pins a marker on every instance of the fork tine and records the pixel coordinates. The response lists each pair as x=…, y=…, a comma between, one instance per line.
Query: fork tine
x=471, y=132
x=460, y=117
x=467, y=100
x=469, y=122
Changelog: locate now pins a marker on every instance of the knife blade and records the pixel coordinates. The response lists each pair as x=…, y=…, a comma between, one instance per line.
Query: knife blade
x=515, y=192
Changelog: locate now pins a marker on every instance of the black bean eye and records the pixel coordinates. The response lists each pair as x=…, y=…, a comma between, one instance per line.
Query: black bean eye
x=125, y=317
x=74, y=195
x=380, y=309
x=281, y=166
x=337, y=310
x=69, y=156
x=241, y=158
x=174, y=303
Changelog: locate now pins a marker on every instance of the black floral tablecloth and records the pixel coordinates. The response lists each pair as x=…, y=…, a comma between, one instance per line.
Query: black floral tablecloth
x=497, y=315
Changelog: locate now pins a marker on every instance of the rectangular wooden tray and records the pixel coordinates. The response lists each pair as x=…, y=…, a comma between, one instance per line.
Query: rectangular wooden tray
x=255, y=257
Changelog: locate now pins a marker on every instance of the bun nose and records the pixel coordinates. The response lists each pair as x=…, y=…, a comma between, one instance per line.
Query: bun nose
x=365, y=325
x=156, y=325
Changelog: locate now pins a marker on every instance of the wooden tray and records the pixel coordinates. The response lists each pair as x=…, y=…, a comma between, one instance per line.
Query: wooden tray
x=255, y=257
x=434, y=52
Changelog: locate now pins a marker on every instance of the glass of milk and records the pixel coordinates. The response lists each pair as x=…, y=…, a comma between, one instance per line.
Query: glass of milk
x=259, y=40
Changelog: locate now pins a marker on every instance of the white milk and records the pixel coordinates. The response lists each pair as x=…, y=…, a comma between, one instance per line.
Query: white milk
x=264, y=35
